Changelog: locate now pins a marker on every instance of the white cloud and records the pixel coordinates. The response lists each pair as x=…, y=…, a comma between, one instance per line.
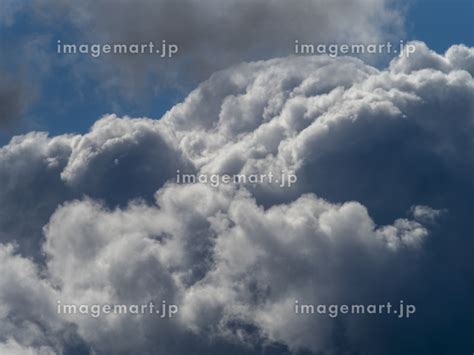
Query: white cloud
x=27, y=307
x=11, y=347
x=220, y=257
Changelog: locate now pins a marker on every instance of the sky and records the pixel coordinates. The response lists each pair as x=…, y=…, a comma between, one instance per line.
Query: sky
x=378, y=149
x=440, y=23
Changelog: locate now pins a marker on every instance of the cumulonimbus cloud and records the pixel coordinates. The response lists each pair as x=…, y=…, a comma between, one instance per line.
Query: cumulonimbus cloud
x=367, y=145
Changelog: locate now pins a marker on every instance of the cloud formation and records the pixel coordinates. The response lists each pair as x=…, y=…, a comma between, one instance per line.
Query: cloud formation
x=384, y=161
x=211, y=34
x=211, y=39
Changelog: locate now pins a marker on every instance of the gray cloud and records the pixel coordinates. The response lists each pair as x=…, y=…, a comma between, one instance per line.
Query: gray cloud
x=23, y=65
x=211, y=34
x=189, y=249
x=15, y=97
x=26, y=310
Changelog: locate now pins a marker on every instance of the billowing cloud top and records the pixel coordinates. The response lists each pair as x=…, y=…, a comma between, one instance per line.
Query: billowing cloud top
x=367, y=145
